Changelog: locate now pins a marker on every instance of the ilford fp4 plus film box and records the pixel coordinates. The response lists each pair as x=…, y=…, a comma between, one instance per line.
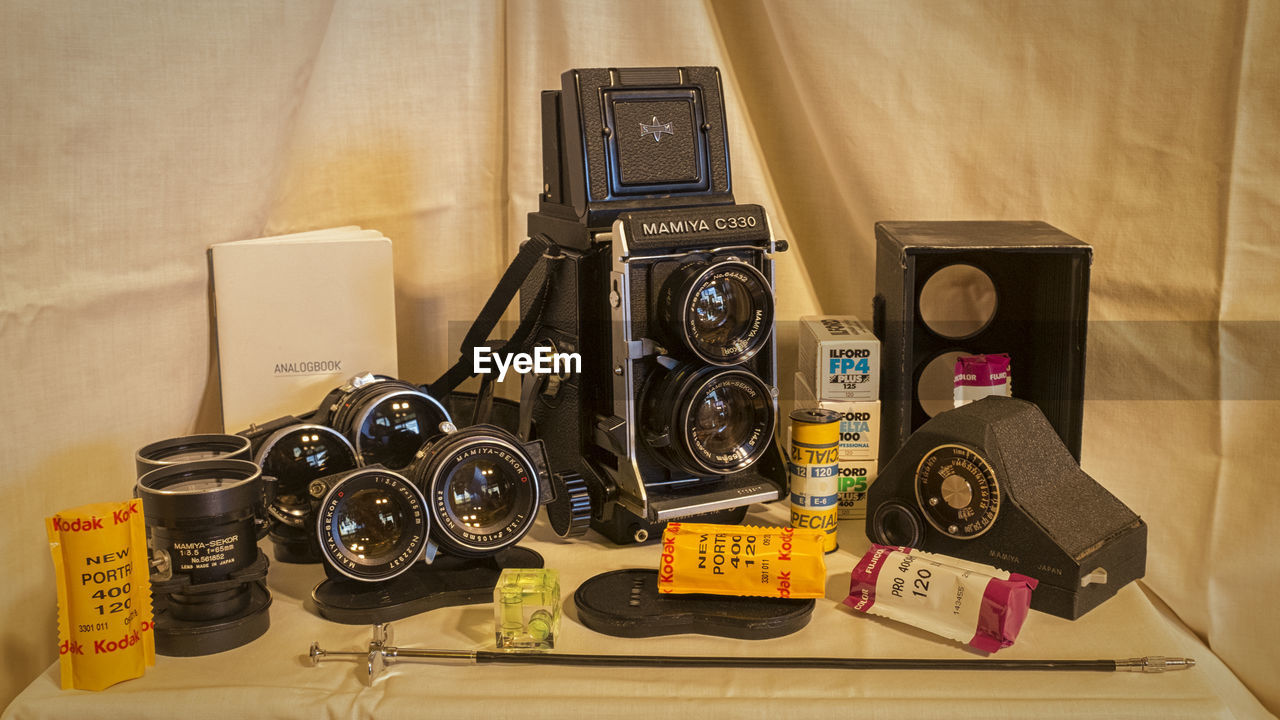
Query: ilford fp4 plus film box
x=840, y=358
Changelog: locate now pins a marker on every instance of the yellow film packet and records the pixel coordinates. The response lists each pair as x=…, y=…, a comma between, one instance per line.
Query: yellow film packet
x=105, y=632
x=742, y=560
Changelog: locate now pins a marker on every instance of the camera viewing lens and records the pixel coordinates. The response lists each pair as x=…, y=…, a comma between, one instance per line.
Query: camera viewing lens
x=190, y=448
x=708, y=420
x=481, y=487
x=392, y=426
x=372, y=524
x=722, y=312
x=298, y=454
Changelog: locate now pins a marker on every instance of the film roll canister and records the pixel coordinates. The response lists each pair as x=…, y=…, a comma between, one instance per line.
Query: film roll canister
x=814, y=467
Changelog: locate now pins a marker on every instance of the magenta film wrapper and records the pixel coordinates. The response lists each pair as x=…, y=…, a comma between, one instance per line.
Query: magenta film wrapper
x=965, y=601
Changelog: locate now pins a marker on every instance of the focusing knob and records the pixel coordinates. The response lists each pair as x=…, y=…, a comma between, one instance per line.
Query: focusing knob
x=570, y=512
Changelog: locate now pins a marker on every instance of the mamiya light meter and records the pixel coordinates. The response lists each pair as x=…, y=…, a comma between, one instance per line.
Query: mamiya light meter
x=664, y=286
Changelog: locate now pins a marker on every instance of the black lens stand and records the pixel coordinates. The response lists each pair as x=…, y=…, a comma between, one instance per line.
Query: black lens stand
x=449, y=580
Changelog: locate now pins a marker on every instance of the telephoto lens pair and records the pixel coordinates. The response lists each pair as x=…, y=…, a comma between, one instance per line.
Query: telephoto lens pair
x=372, y=419
x=705, y=413
x=469, y=493
x=204, y=507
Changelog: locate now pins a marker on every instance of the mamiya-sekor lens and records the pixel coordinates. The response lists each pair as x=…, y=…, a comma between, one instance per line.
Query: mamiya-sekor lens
x=179, y=450
x=483, y=488
x=295, y=455
x=386, y=420
x=372, y=523
x=209, y=588
x=468, y=492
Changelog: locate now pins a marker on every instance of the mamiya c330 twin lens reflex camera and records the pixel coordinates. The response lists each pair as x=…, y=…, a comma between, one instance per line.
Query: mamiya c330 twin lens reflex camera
x=664, y=286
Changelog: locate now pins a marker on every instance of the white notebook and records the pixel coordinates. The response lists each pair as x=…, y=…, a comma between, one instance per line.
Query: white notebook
x=298, y=315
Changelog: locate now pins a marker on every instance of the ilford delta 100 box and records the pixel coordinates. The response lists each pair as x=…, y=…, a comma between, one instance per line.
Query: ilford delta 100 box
x=840, y=358
x=859, y=421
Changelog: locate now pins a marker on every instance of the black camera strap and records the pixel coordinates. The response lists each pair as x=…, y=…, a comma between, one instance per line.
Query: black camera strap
x=531, y=251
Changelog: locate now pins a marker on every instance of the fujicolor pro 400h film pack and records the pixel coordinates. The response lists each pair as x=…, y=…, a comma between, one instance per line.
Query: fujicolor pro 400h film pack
x=840, y=357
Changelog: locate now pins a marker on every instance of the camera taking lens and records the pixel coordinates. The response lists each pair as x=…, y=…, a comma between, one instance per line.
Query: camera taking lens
x=209, y=587
x=703, y=420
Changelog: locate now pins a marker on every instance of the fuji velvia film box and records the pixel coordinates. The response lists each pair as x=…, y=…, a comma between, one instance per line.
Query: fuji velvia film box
x=840, y=358
x=859, y=421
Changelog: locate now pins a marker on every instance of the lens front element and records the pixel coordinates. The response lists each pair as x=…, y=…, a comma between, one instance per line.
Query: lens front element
x=372, y=524
x=368, y=524
x=394, y=426
x=481, y=488
x=481, y=494
x=729, y=421
x=725, y=421
x=722, y=312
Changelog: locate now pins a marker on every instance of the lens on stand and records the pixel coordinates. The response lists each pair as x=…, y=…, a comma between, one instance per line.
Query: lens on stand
x=202, y=516
x=372, y=524
x=481, y=486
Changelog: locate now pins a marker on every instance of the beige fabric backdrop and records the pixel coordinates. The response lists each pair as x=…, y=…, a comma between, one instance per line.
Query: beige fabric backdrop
x=134, y=134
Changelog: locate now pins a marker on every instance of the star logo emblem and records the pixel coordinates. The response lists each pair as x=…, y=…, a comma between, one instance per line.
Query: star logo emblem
x=656, y=129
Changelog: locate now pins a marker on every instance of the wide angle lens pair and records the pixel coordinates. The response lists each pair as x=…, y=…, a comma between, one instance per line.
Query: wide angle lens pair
x=203, y=516
x=709, y=414
x=468, y=492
